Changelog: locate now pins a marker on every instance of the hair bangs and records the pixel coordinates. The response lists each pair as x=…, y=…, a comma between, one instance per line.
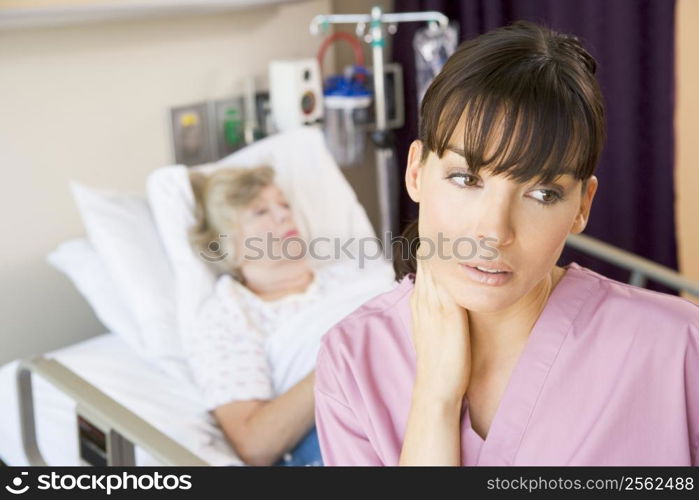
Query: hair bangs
x=522, y=135
x=527, y=101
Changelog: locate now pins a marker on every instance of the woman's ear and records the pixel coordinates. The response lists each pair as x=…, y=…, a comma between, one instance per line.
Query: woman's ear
x=413, y=171
x=585, y=205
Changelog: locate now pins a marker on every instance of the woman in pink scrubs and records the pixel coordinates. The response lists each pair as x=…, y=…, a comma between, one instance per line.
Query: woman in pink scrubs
x=486, y=352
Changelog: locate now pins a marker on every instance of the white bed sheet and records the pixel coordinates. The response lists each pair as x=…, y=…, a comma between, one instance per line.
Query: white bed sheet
x=107, y=362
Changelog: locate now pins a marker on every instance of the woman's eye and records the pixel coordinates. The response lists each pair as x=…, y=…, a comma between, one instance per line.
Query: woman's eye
x=464, y=180
x=546, y=196
x=261, y=211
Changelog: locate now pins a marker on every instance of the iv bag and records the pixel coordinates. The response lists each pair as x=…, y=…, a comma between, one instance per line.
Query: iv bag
x=432, y=46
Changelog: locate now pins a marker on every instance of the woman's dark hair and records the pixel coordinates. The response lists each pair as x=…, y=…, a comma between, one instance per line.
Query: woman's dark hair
x=535, y=83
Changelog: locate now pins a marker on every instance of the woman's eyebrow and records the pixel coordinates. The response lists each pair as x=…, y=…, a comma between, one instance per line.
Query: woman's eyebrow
x=460, y=152
x=553, y=183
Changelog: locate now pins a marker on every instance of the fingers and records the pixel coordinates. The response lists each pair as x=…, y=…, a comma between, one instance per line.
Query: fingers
x=420, y=270
x=428, y=289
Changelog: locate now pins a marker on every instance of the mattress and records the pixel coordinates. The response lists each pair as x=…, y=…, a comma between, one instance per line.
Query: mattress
x=107, y=362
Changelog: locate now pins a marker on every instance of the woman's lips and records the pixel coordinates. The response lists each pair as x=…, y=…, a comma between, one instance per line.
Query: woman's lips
x=291, y=233
x=485, y=277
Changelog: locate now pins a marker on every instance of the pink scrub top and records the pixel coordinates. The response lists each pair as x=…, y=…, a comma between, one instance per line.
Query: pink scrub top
x=608, y=376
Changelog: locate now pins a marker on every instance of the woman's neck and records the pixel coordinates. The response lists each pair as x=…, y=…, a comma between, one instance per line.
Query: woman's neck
x=270, y=282
x=501, y=335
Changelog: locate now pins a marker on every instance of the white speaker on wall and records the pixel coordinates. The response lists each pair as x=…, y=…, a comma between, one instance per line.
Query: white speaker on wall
x=295, y=92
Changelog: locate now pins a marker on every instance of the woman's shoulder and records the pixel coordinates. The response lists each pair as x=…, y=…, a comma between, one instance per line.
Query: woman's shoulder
x=222, y=299
x=638, y=305
x=230, y=293
x=382, y=319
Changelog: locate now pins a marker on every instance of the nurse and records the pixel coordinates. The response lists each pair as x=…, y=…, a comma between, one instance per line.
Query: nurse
x=486, y=352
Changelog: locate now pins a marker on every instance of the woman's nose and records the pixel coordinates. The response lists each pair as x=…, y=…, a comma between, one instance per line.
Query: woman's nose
x=494, y=222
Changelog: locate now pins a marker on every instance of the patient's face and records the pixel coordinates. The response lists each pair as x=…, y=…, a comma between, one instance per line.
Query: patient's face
x=503, y=224
x=268, y=229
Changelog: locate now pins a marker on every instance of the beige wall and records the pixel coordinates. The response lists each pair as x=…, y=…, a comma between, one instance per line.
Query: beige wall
x=90, y=103
x=687, y=137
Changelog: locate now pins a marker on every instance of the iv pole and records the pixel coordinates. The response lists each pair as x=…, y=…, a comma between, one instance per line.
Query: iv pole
x=386, y=173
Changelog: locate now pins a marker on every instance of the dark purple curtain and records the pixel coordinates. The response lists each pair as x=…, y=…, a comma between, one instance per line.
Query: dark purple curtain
x=633, y=42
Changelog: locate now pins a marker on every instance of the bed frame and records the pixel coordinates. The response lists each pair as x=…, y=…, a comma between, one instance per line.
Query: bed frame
x=107, y=430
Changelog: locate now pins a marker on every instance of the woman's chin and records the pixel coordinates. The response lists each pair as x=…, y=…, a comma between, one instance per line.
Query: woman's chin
x=293, y=261
x=481, y=298
x=293, y=249
x=484, y=305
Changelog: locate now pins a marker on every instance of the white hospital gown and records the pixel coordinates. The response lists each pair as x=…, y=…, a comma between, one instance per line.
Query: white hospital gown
x=225, y=344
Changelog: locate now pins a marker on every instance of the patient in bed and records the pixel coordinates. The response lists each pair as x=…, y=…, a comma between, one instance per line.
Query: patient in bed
x=246, y=228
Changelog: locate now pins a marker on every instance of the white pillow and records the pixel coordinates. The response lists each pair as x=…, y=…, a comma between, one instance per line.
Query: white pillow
x=79, y=261
x=172, y=200
x=323, y=202
x=121, y=229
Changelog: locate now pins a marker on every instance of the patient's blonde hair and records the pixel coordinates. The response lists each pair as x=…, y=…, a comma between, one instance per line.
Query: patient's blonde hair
x=220, y=198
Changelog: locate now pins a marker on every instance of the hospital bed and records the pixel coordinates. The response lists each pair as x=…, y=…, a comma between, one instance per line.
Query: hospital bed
x=102, y=402
x=90, y=402
x=54, y=416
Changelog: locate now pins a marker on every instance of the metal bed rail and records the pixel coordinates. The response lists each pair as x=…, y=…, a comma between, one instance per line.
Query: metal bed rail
x=107, y=430
x=641, y=269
